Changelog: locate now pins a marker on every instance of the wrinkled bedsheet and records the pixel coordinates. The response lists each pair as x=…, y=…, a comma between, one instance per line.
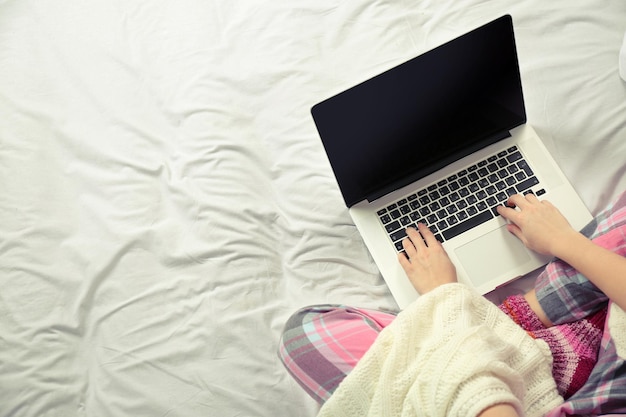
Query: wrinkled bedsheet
x=165, y=201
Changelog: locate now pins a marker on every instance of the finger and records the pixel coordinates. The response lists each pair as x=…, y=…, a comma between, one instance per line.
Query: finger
x=508, y=213
x=508, y=202
x=517, y=200
x=416, y=238
x=409, y=247
x=532, y=198
x=404, y=261
x=428, y=235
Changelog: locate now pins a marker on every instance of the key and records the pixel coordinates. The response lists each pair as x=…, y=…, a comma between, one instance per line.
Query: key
x=398, y=235
x=523, y=165
x=392, y=226
x=467, y=225
x=516, y=156
x=524, y=185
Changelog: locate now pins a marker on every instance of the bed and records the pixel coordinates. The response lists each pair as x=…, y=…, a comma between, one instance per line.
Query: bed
x=166, y=203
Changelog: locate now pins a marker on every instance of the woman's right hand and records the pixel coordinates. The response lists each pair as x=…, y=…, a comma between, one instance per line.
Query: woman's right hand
x=543, y=228
x=538, y=224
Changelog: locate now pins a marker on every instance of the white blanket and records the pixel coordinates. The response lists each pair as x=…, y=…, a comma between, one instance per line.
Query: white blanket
x=451, y=353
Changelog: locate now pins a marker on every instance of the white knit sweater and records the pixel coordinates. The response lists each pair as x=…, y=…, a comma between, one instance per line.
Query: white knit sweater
x=450, y=353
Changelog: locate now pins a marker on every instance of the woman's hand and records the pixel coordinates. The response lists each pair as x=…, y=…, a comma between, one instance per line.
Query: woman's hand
x=538, y=224
x=543, y=229
x=426, y=262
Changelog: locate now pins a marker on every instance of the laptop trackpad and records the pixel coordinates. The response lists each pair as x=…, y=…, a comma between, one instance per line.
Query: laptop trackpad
x=492, y=255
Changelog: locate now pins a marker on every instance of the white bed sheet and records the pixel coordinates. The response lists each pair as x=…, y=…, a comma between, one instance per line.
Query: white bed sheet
x=166, y=204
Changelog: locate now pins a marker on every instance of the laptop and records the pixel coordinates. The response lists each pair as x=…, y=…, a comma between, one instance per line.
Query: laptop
x=442, y=139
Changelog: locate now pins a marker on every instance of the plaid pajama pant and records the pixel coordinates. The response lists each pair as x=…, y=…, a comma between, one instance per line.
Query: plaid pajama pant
x=320, y=345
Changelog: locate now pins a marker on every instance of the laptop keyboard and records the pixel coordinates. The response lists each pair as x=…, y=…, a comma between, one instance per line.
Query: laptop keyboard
x=462, y=201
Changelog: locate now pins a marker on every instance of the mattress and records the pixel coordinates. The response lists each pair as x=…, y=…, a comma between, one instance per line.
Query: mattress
x=166, y=203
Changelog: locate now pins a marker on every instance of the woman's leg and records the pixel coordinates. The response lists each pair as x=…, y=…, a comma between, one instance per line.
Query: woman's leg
x=320, y=345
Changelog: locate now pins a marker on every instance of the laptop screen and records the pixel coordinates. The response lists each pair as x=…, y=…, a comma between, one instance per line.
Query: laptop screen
x=418, y=117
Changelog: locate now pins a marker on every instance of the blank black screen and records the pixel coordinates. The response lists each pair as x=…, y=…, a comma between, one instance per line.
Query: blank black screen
x=423, y=114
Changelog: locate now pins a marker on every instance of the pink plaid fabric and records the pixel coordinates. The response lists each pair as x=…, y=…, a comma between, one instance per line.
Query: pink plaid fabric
x=322, y=344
